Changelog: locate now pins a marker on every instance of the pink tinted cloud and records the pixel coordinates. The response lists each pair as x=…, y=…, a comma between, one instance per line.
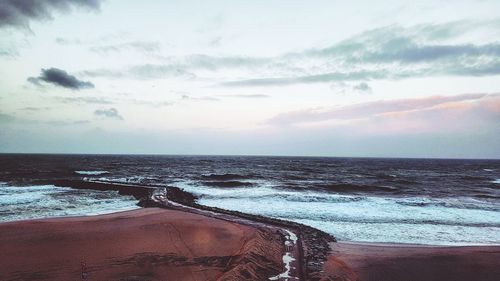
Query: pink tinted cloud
x=430, y=114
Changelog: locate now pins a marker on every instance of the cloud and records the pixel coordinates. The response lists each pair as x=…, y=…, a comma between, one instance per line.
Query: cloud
x=140, y=46
x=60, y=78
x=390, y=52
x=11, y=120
x=410, y=45
x=150, y=71
x=245, y=96
x=33, y=109
x=8, y=51
x=80, y=100
x=318, y=78
x=206, y=98
x=362, y=87
x=111, y=113
x=66, y=41
x=143, y=71
x=62, y=123
x=156, y=104
x=391, y=109
x=6, y=117
x=19, y=13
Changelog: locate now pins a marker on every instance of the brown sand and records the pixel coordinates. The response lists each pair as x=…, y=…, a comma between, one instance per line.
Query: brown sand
x=144, y=244
x=162, y=244
x=388, y=262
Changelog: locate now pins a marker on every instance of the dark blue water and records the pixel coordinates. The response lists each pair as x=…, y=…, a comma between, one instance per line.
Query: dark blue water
x=425, y=201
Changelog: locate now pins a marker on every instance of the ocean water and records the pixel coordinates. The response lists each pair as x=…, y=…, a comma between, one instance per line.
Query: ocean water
x=418, y=201
x=44, y=201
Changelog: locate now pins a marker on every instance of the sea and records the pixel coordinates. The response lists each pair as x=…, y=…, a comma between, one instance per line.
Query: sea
x=413, y=201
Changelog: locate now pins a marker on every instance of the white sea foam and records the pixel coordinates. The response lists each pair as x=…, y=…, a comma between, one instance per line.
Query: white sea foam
x=43, y=201
x=291, y=240
x=92, y=173
x=417, y=220
x=496, y=181
x=287, y=261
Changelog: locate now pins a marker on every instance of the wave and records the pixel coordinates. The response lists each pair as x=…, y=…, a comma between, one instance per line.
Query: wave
x=227, y=183
x=225, y=177
x=362, y=218
x=456, y=203
x=385, y=176
x=42, y=201
x=475, y=178
x=92, y=173
x=349, y=187
x=129, y=180
x=487, y=196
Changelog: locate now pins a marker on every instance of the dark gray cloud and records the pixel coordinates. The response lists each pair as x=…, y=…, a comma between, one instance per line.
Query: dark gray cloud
x=111, y=113
x=19, y=13
x=60, y=78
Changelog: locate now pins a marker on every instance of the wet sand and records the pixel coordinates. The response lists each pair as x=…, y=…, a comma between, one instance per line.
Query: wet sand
x=144, y=244
x=391, y=262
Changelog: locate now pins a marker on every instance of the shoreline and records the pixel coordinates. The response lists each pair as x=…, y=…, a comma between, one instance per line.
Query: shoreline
x=314, y=255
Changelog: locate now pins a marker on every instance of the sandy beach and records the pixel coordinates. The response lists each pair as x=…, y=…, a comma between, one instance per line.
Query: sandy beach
x=399, y=262
x=144, y=244
x=164, y=244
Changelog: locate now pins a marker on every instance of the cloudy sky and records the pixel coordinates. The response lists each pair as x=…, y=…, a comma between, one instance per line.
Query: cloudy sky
x=322, y=78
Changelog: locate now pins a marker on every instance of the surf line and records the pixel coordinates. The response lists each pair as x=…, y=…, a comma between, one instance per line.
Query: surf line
x=290, y=243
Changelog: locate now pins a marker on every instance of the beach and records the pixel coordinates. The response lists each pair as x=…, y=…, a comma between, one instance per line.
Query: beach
x=391, y=262
x=114, y=223
x=167, y=244
x=144, y=244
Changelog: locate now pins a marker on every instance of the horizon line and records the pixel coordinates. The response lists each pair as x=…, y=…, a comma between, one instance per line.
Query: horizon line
x=244, y=155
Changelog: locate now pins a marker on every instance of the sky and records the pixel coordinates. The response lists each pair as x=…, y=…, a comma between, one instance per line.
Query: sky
x=308, y=78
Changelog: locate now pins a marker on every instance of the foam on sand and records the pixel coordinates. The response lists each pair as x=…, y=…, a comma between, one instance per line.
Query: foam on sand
x=290, y=242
